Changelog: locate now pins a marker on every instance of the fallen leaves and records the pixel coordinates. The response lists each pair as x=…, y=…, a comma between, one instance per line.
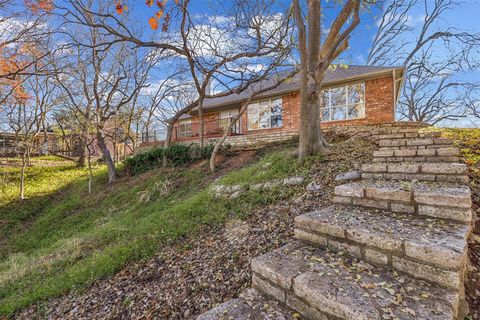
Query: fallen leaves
x=190, y=277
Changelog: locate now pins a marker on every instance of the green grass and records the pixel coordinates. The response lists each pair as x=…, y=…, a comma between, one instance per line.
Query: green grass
x=62, y=238
x=273, y=166
x=40, y=184
x=38, y=158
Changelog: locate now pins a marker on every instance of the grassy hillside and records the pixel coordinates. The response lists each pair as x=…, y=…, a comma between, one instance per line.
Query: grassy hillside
x=468, y=140
x=62, y=238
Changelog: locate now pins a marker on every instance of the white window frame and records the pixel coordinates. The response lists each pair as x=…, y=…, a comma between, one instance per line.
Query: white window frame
x=346, y=105
x=256, y=104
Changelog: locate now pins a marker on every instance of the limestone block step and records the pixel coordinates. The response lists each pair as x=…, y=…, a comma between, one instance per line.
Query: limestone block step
x=438, y=171
x=414, y=142
x=394, y=154
x=422, y=147
x=434, y=199
x=430, y=249
x=323, y=285
x=250, y=305
x=409, y=134
x=417, y=159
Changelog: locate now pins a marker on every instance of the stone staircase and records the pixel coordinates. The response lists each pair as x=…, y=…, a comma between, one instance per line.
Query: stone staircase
x=393, y=246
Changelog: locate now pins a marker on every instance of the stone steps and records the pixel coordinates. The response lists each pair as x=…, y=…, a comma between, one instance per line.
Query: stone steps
x=434, y=199
x=415, y=154
x=438, y=171
x=429, y=249
x=326, y=285
x=251, y=304
x=394, y=246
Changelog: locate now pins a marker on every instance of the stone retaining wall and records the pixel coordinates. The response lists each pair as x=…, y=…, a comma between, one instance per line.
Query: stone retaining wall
x=258, y=140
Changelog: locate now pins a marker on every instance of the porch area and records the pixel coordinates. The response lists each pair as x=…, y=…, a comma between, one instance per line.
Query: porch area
x=187, y=130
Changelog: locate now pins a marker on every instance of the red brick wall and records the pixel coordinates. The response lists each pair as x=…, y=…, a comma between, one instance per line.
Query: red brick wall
x=378, y=109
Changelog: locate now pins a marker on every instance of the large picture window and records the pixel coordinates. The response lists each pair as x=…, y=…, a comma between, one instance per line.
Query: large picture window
x=343, y=103
x=265, y=114
x=184, y=129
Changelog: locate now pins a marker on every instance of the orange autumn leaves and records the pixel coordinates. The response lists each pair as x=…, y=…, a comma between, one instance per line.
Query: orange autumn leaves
x=154, y=21
x=14, y=66
x=39, y=5
x=10, y=81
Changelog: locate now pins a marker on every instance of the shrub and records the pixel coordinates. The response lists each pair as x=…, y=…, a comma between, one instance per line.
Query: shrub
x=177, y=155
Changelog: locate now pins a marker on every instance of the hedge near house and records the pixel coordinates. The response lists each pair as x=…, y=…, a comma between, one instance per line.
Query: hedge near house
x=177, y=155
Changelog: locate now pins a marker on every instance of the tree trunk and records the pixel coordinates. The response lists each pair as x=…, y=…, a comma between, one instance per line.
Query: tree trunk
x=112, y=174
x=311, y=139
x=22, y=176
x=202, y=123
x=216, y=148
x=28, y=156
x=81, y=158
x=90, y=173
x=83, y=147
x=315, y=59
x=167, y=142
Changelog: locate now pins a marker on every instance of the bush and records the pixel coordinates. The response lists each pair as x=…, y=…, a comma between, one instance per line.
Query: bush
x=177, y=155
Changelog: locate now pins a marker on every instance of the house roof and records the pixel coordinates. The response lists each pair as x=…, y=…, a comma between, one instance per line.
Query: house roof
x=332, y=76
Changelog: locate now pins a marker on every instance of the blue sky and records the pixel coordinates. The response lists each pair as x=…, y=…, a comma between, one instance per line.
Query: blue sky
x=466, y=16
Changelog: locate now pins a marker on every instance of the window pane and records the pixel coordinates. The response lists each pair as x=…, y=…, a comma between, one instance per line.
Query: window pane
x=252, y=115
x=264, y=115
x=356, y=110
x=223, y=123
x=185, y=128
x=338, y=96
x=356, y=93
x=228, y=114
x=225, y=118
x=325, y=114
x=276, y=113
x=277, y=121
x=339, y=113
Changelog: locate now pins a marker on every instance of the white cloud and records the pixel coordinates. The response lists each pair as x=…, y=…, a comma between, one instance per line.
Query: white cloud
x=415, y=21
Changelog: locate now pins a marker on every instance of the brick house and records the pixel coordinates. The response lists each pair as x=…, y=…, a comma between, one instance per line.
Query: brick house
x=357, y=95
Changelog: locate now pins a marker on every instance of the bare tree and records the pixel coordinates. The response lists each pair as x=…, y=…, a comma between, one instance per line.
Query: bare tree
x=433, y=91
x=164, y=98
x=434, y=55
x=25, y=117
x=473, y=105
x=316, y=58
x=220, y=52
x=104, y=79
x=227, y=51
x=20, y=31
x=275, y=80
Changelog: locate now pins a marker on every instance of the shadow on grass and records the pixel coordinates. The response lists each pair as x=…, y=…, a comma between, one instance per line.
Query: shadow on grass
x=17, y=216
x=69, y=239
